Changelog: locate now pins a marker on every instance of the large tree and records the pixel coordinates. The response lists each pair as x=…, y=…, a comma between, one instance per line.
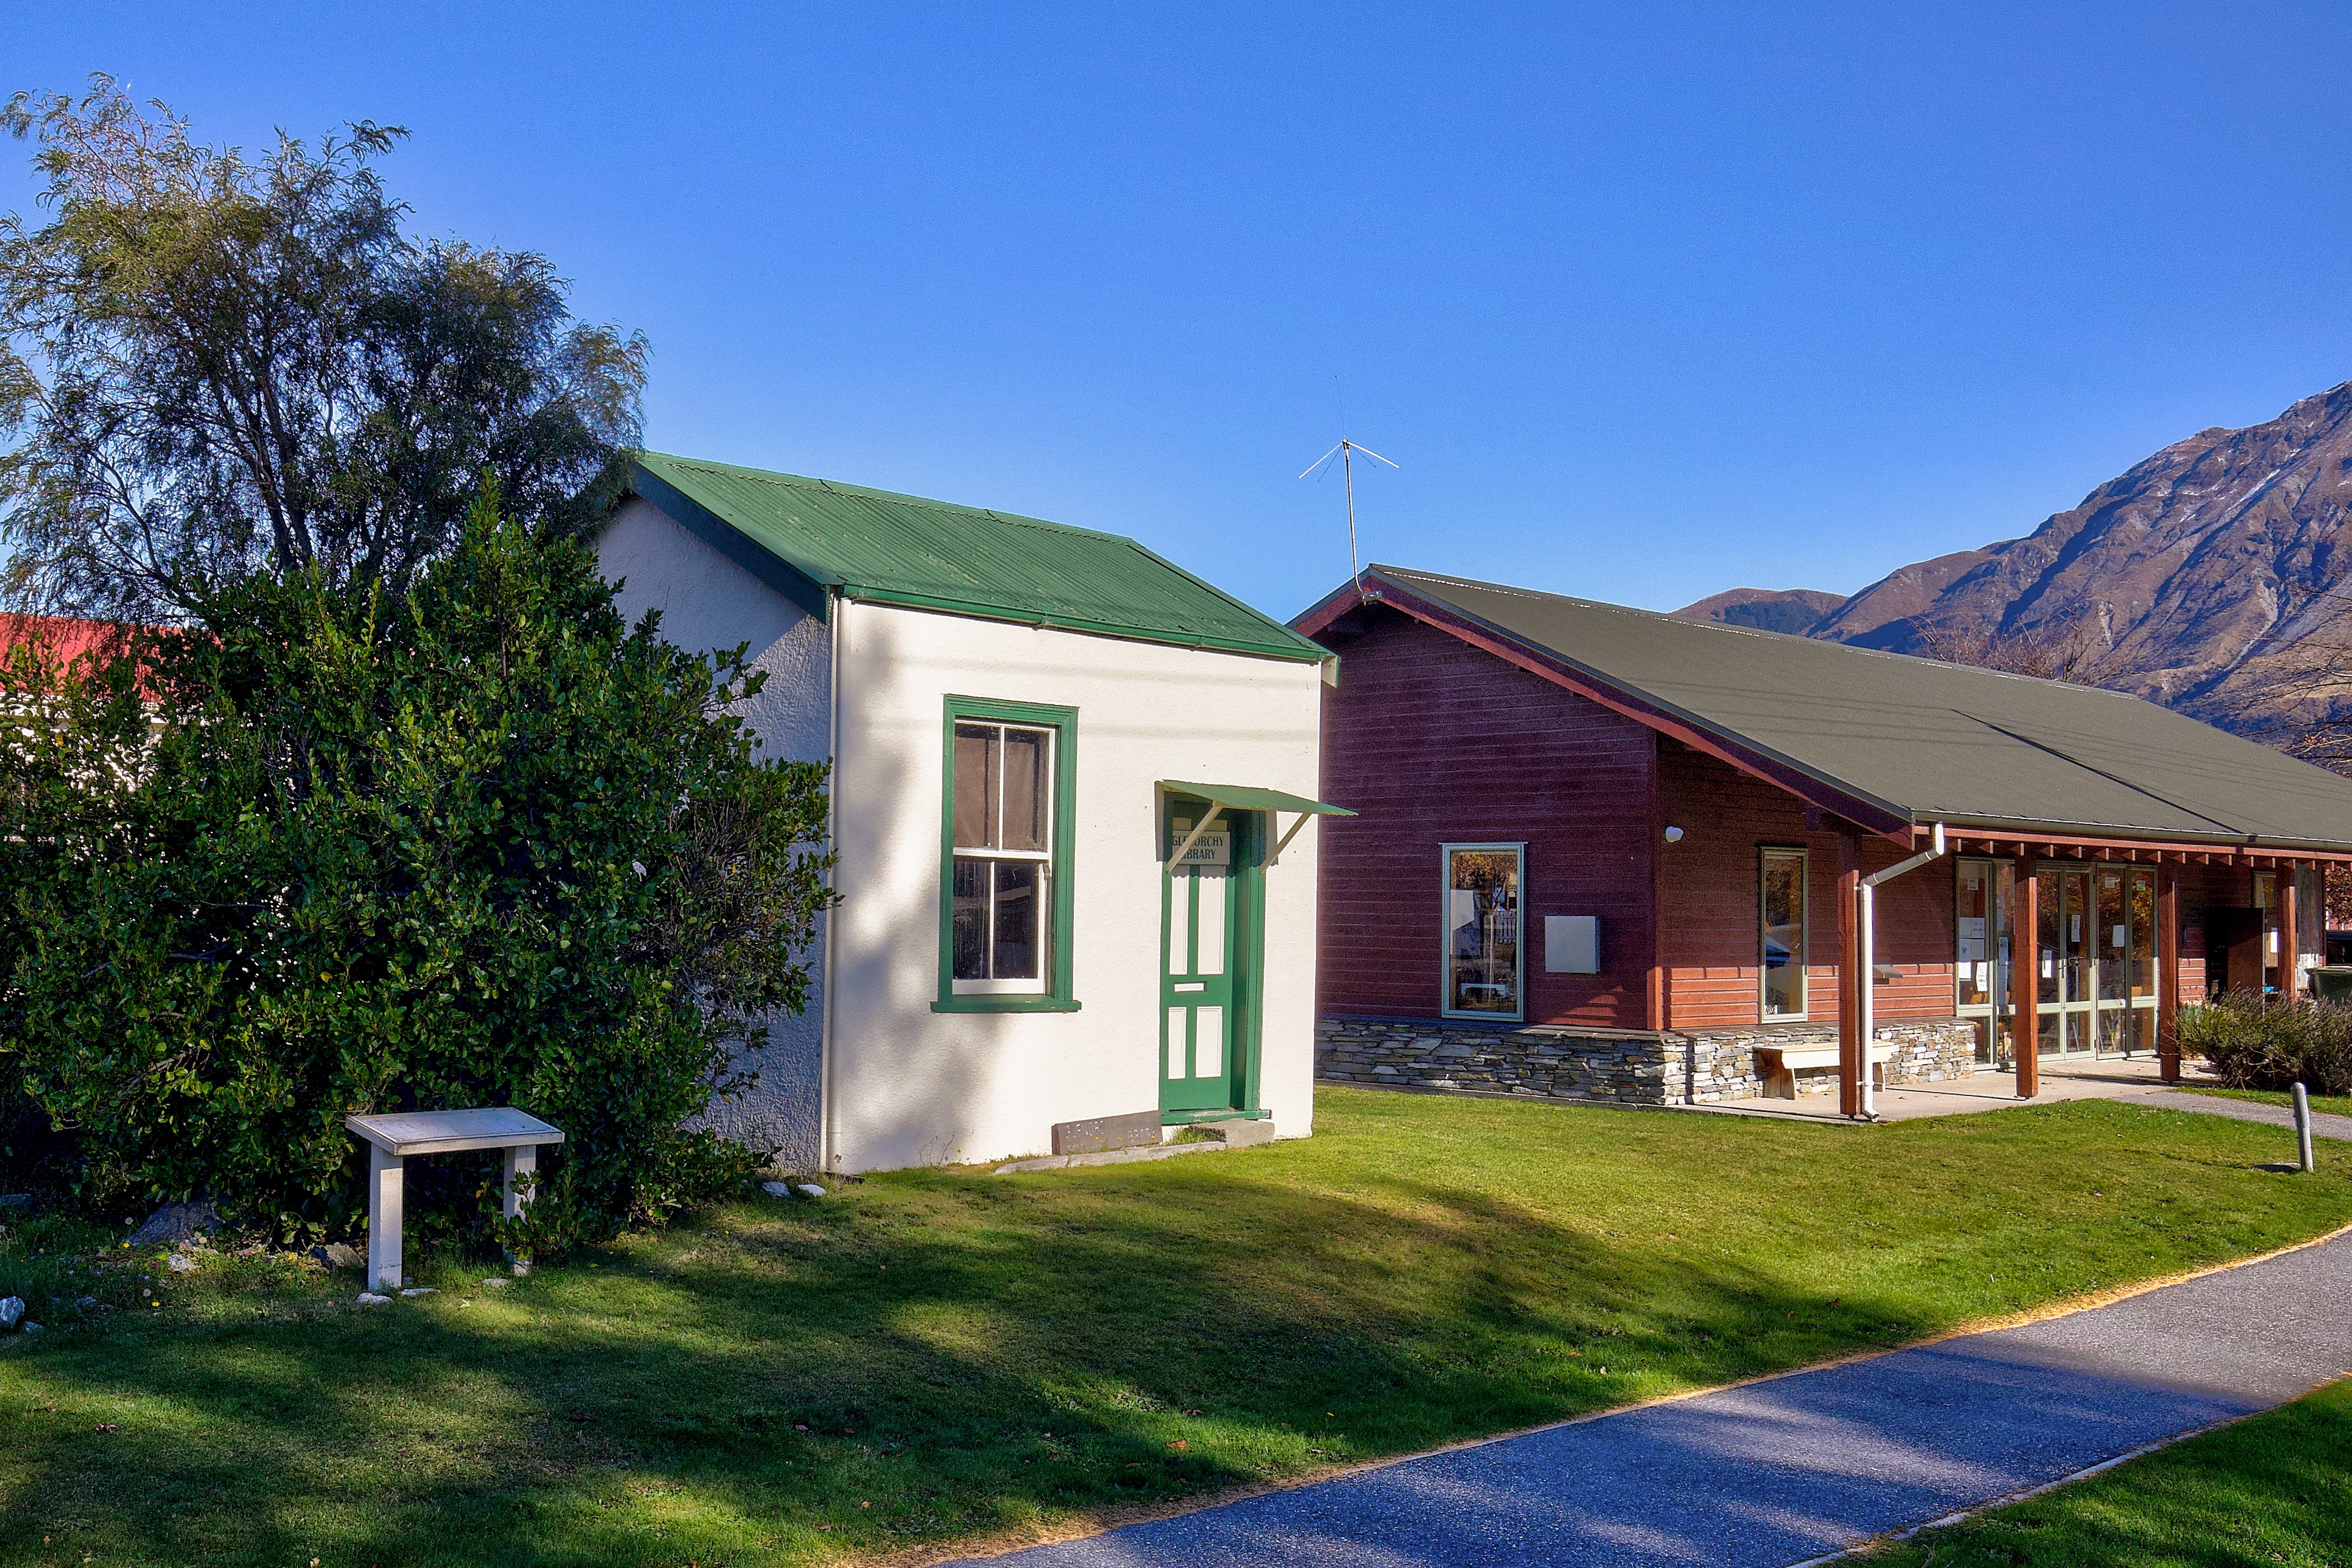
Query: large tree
x=216, y=364
x=484, y=843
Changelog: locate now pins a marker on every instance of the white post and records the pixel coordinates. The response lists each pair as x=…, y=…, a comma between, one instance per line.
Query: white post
x=519, y=1163
x=1869, y=1003
x=2302, y=1127
x=385, y=1181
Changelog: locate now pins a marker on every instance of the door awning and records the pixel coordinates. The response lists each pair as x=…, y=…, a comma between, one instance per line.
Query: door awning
x=1249, y=797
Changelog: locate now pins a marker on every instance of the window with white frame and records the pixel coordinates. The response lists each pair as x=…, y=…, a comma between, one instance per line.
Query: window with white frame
x=1481, y=928
x=1782, y=919
x=1003, y=810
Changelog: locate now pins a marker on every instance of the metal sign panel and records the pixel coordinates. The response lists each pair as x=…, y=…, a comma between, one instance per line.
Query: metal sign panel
x=1214, y=846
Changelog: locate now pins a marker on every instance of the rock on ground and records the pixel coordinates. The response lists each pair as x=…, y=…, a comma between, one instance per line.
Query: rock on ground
x=177, y=1222
x=12, y=1312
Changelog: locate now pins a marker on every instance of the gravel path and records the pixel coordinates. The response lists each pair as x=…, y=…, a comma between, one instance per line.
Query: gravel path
x=2322, y=1124
x=1778, y=1471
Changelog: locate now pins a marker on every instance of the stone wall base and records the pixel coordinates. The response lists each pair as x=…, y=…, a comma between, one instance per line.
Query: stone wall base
x=1614, y=1067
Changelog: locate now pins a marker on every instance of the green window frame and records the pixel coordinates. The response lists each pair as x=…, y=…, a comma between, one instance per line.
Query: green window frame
x=1052, y=991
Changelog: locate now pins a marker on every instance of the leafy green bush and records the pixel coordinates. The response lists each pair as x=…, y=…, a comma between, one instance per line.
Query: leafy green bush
x=2268, y=1042
x=484, y=845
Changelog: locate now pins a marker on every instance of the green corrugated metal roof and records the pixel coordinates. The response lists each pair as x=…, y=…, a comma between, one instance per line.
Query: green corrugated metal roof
x=1932, y=742
x=1251, y=797
x=904, y=549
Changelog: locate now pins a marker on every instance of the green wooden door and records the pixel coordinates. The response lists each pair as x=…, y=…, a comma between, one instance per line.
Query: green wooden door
x=1200, y=950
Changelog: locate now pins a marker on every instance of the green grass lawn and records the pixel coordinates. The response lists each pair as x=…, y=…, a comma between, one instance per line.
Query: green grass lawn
x=933, y=1355
x=2331, y=1104
x=2265, y=1492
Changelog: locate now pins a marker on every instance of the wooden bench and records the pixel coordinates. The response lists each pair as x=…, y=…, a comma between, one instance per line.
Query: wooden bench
x=392, y=1138
x=1779, y=1078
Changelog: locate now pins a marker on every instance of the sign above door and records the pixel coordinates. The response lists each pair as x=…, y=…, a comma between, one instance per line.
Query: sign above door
x=1211, y=845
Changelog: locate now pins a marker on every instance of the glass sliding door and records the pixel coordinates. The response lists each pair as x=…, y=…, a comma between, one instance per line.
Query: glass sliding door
x=2138, y=1033
x=2096, y=957
x=2111, y=962
x=1980, y=955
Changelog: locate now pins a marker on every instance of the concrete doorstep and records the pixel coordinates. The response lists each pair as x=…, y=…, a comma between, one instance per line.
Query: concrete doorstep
x=1107, y=1157
x=1237, y=1134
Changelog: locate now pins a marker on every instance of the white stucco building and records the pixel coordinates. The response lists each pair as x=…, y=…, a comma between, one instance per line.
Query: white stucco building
x=1025, y=721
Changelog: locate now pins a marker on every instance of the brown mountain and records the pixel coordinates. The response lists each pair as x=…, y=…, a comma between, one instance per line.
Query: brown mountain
x=1903, y=594
x=2204, y=578
x=2190, y=579
x=1771, y=609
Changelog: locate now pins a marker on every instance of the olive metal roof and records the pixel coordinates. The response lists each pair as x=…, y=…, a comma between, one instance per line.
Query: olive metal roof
x=810, y=539
x=1922, y=741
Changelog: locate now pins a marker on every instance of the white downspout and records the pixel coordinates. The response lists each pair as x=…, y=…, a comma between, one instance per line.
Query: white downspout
x=1868, y=979
x=1869, y=982
x=827, y=1152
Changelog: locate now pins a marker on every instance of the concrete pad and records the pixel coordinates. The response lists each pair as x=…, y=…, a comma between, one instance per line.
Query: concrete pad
x=1986, y=1091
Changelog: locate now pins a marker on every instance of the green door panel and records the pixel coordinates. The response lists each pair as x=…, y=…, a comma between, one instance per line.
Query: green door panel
x=1209, y=948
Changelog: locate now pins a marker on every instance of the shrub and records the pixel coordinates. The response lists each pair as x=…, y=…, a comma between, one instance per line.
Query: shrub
x=485, y=845
x=2265, y=1042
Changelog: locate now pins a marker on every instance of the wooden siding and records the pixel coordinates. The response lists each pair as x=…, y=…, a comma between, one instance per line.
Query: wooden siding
x=1714, y=961
x=1434, y=742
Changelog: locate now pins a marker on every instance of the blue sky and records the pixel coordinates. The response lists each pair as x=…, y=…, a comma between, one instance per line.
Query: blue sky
x=1649, y=301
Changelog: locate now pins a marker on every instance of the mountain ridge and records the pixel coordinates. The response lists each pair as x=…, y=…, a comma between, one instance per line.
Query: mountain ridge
x=2196, y=578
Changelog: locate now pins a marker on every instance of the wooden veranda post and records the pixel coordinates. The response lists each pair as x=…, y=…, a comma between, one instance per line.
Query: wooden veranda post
x=2167, y=971
x=2024, y=977
x=1851, y=1048
x=2287, y=934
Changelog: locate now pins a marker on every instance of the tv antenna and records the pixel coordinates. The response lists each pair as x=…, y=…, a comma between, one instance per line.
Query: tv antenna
x=1346, y=452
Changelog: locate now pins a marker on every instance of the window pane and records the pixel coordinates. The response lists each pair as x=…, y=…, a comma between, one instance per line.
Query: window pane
x=2045, y=983
x=1482, y=931
x=1784, y=935
x=1972, y=956
x=969, y=939
x=1026, y=789
x=2143, y=934
x=2078, y=941
x=1018, y=895
x=975, y=785
x=2113, y=935
x=1209, y=957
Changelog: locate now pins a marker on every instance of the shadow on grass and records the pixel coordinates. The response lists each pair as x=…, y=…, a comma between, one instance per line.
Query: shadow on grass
x=940, y=1355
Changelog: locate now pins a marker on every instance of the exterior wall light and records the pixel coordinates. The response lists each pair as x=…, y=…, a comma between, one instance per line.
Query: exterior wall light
x=1673, y=836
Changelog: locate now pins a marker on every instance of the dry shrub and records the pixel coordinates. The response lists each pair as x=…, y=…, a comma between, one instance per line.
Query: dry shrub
x=2268, y=1042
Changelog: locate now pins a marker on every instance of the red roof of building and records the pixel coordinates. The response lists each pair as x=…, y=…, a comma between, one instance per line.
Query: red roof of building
x=60, y=637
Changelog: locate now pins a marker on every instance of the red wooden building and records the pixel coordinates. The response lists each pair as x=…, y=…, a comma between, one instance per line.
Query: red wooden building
x=1630, y=852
